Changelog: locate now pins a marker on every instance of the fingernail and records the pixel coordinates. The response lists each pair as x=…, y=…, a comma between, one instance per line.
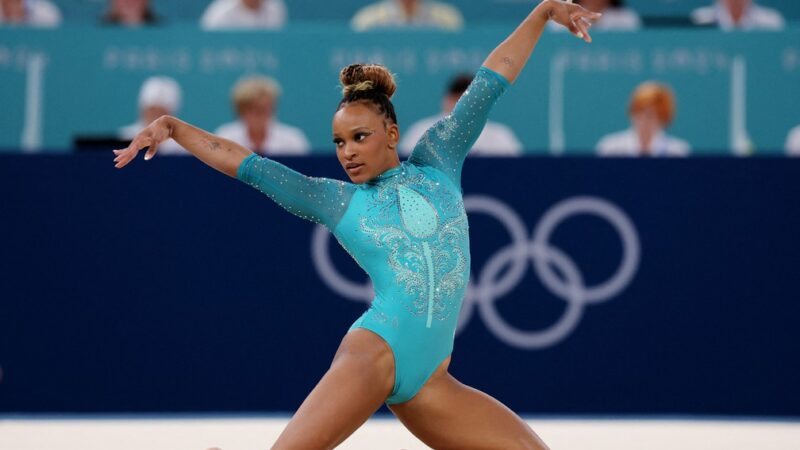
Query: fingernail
x=580, y=35
x=146, y=158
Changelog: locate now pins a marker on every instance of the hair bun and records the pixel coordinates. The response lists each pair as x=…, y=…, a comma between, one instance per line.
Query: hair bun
x=365, y=77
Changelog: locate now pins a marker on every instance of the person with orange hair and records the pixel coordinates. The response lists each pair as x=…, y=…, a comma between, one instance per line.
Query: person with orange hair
x=651, y=111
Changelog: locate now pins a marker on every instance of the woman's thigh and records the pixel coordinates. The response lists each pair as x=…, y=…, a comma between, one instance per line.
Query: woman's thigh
x=359, y=380
x=447, y=414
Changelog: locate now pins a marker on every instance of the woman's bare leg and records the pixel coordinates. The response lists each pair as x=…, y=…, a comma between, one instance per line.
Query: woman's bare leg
x=447, y=414
x=359, y=380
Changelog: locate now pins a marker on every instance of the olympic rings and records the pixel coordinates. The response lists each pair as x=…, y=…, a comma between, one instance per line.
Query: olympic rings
x=569, y=287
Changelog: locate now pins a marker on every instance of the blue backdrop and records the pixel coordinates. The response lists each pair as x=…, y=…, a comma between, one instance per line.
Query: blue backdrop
x=169, y=287
x=730, y=87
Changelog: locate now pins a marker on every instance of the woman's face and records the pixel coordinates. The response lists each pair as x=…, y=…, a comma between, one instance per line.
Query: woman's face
x=646, y=121
x=257, y=113
x=366, y=145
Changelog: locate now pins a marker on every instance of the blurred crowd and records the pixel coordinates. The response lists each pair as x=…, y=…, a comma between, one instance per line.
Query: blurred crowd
x=254, y=99
x=274, y=14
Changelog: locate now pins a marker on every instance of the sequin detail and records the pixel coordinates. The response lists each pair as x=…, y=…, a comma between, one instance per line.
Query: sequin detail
x=407, y=227
x=445, y=144
x=320, y=200
x=424, y=250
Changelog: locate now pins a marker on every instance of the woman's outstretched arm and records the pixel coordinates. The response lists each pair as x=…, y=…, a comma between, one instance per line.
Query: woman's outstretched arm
x=320, y=200
x=445, y=145
x=512, y=54
x=217, y=152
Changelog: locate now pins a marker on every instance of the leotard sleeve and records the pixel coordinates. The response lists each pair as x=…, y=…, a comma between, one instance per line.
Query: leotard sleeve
x=446, y=144
x=320, y=200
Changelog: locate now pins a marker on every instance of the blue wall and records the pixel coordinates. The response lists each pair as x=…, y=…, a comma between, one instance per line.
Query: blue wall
x=169, y=287
x=91, y=77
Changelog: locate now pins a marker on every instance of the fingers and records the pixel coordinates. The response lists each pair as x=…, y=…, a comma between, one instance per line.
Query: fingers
x=582, y=21
x=148, y=155
x=583, y=26
x=574, y=28
x=126, y=156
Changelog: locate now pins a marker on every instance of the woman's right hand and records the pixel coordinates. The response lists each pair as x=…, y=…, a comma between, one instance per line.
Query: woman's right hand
x=575, y=18
x=151, y=136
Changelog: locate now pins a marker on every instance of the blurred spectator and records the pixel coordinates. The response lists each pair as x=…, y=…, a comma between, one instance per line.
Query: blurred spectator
x=252, y=14
x=793, y=141
x=408, y=13
x=495, y=140
x=158, y=96
x=255, y=102
x=35, y=13
x=616, y=16
x=741, y=14
x=651, y=110
x=130, y=13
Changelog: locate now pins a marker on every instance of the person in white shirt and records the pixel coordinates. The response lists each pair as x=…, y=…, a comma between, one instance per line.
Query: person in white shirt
x=738, y=14
x=793, y=142
x=158, y=96
x=244, y=14
x=406, y=14
x=651, y=110
x=255, y=100
x=34, y=13
x=495, y=140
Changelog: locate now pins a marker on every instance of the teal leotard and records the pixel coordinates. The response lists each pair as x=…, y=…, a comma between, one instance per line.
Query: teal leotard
x=406, y=228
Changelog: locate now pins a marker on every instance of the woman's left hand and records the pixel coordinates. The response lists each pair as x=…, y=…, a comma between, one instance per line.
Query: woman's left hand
x=575, y=18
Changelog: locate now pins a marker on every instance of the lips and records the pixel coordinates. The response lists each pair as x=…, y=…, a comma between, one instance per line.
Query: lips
x=352, y=167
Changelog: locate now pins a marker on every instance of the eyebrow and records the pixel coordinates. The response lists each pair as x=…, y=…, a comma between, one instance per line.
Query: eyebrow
x=361, y=127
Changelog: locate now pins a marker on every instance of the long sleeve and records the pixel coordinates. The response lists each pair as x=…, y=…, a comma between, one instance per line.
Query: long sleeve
x=445, y=145
x=320, y=200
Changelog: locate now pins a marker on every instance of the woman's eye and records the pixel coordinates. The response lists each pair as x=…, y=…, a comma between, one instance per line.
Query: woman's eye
x=360, y=136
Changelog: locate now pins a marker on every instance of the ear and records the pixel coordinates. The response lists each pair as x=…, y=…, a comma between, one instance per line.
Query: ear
x=393, y=132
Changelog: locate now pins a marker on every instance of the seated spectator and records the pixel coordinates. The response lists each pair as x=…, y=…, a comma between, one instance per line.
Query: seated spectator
x=651, y=110
x=244, y=14
x=158, y=96
x=130, y=13
x=495, y=140
x=738, y=14
x=407, y=13
x=616, y=16
x=34, y=13
x=255, y=100
x=793, y=141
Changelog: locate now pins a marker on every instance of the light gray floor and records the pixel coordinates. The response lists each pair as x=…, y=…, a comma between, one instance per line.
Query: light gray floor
x=387, y=433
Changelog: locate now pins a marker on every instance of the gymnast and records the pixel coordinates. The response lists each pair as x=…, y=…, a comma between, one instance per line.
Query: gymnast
x=404, y=223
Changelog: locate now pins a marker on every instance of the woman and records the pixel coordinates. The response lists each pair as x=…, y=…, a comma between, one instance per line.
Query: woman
x=405, y=224
x=651, y=110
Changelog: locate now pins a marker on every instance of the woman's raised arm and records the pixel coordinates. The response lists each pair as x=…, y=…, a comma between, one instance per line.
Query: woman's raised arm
x=510, y=56
x=217, y=152
x=446, y=144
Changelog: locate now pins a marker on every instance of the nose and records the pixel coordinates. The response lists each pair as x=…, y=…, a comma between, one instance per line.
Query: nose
x=349, y=151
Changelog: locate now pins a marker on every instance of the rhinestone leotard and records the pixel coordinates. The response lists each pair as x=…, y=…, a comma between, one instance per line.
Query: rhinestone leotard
x=406, y=228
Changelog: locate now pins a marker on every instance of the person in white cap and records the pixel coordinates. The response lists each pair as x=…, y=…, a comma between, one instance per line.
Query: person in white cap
x=244, y=14
x=255, y=100
x=34, y=13
x=159, y=96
